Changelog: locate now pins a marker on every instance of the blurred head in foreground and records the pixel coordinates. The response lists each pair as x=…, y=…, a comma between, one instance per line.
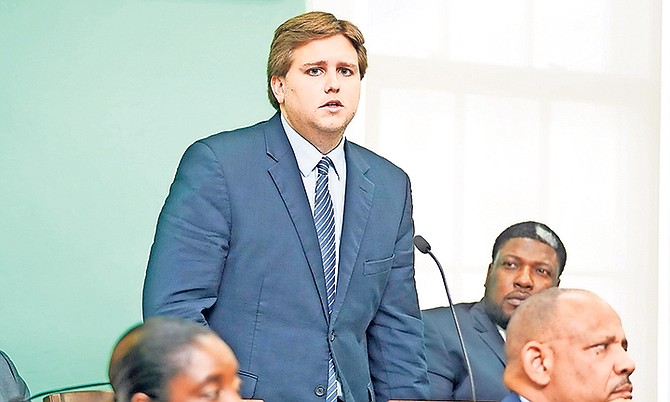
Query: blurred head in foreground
x=173, y=360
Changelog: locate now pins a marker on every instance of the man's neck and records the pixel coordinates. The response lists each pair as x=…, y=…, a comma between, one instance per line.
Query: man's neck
x=324, y=141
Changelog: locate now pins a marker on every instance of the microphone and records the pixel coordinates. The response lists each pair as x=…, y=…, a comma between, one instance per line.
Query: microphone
x=422, y=245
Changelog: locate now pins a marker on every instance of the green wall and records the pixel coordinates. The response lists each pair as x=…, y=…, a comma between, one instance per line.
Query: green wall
x=98, y=100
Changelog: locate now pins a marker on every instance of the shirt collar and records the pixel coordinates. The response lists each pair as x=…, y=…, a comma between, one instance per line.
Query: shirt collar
x=502, y=332
x=308, y=156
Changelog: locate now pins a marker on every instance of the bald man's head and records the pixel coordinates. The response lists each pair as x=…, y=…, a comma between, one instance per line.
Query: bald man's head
x=567, y=344
x=533, y=320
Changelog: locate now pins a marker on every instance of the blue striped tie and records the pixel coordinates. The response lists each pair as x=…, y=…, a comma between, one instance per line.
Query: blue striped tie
x=324, y=219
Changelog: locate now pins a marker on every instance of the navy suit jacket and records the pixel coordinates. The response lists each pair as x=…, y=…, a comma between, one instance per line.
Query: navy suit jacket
x=447, y=371
x=12, y=385
x=236, y=248
x=511, y=397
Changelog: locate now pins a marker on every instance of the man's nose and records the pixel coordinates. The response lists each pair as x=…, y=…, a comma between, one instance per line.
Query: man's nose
x=332, y=82
x=624, y=363
x=523, y=278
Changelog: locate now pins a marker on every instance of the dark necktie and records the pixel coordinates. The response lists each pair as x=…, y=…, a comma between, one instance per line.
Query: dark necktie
x=324, y=219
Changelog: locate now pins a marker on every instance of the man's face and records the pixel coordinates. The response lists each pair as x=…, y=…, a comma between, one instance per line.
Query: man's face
x=521, y=268
x=319, y=94
x=592, y=364
x=209, y=374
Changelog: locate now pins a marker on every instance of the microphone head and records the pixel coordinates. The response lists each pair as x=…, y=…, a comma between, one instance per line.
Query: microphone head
x=421, y=244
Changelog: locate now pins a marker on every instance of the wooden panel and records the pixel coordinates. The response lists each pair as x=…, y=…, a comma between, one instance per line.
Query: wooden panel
x=81, y=396
x=94, y=396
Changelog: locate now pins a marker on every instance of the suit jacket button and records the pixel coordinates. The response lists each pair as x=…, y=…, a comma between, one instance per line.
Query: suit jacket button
x=332, y=336
x=320, y=390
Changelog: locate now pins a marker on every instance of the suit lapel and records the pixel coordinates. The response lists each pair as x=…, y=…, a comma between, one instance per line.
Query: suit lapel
x=357, y=205
x=287, y=179
x=488, y=331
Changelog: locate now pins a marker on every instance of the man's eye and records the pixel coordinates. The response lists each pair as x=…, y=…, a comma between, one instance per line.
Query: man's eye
x=346, y=72
x=600, y=347
x=314, y=71
x=211, y=395
x=510, y=264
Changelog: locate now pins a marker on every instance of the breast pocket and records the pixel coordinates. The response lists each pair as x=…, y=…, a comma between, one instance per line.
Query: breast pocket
x=378, y=266
x=248, y=388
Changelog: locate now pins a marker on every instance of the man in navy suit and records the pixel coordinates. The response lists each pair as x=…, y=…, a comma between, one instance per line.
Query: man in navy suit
x=567, y=345
x=527, y=257
x=236, y=244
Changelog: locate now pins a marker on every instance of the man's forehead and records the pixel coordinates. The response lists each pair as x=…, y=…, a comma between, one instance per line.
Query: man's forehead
x=588, y=320
x=326, y=44
x=525, y=244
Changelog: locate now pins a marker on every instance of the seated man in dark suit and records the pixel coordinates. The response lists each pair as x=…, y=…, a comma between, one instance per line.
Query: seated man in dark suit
x=12, y=386
x=567, y=345
x=173, y=360
x=527, y=257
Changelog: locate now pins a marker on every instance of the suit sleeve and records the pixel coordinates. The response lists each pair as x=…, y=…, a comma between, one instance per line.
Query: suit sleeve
x=440, y=373
x=191, y=243
x=12, y=386
x=395, y=336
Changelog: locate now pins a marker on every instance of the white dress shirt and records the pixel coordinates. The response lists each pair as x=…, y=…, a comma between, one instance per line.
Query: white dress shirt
x=308, y=157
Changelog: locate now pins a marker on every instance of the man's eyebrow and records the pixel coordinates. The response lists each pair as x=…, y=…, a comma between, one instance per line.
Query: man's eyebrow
x=602, y=340
x=314, y=63
x=323, y=63
x=610, y=339
x=211, y=378
x=346, y=64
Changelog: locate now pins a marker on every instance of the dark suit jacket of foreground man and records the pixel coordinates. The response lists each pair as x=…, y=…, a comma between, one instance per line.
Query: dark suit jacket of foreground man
x=12, y=386
x=447, y=370
x=511, y=397
x=236, y=248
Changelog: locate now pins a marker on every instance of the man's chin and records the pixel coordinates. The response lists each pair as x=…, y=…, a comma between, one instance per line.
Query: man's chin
x=496, y=313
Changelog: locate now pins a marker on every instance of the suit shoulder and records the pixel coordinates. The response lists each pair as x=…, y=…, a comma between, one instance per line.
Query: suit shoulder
x=375, y=160
x=435, y=311
x=441, y=316
x=236, y=135
x=228, y=145
x=7, y=361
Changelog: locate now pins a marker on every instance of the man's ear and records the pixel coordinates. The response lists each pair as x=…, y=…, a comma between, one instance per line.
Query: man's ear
x=140, y=397
x=277, y=85
x=537, y=360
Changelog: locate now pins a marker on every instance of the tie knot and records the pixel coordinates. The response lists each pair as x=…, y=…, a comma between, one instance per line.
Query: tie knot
x=323, y=165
